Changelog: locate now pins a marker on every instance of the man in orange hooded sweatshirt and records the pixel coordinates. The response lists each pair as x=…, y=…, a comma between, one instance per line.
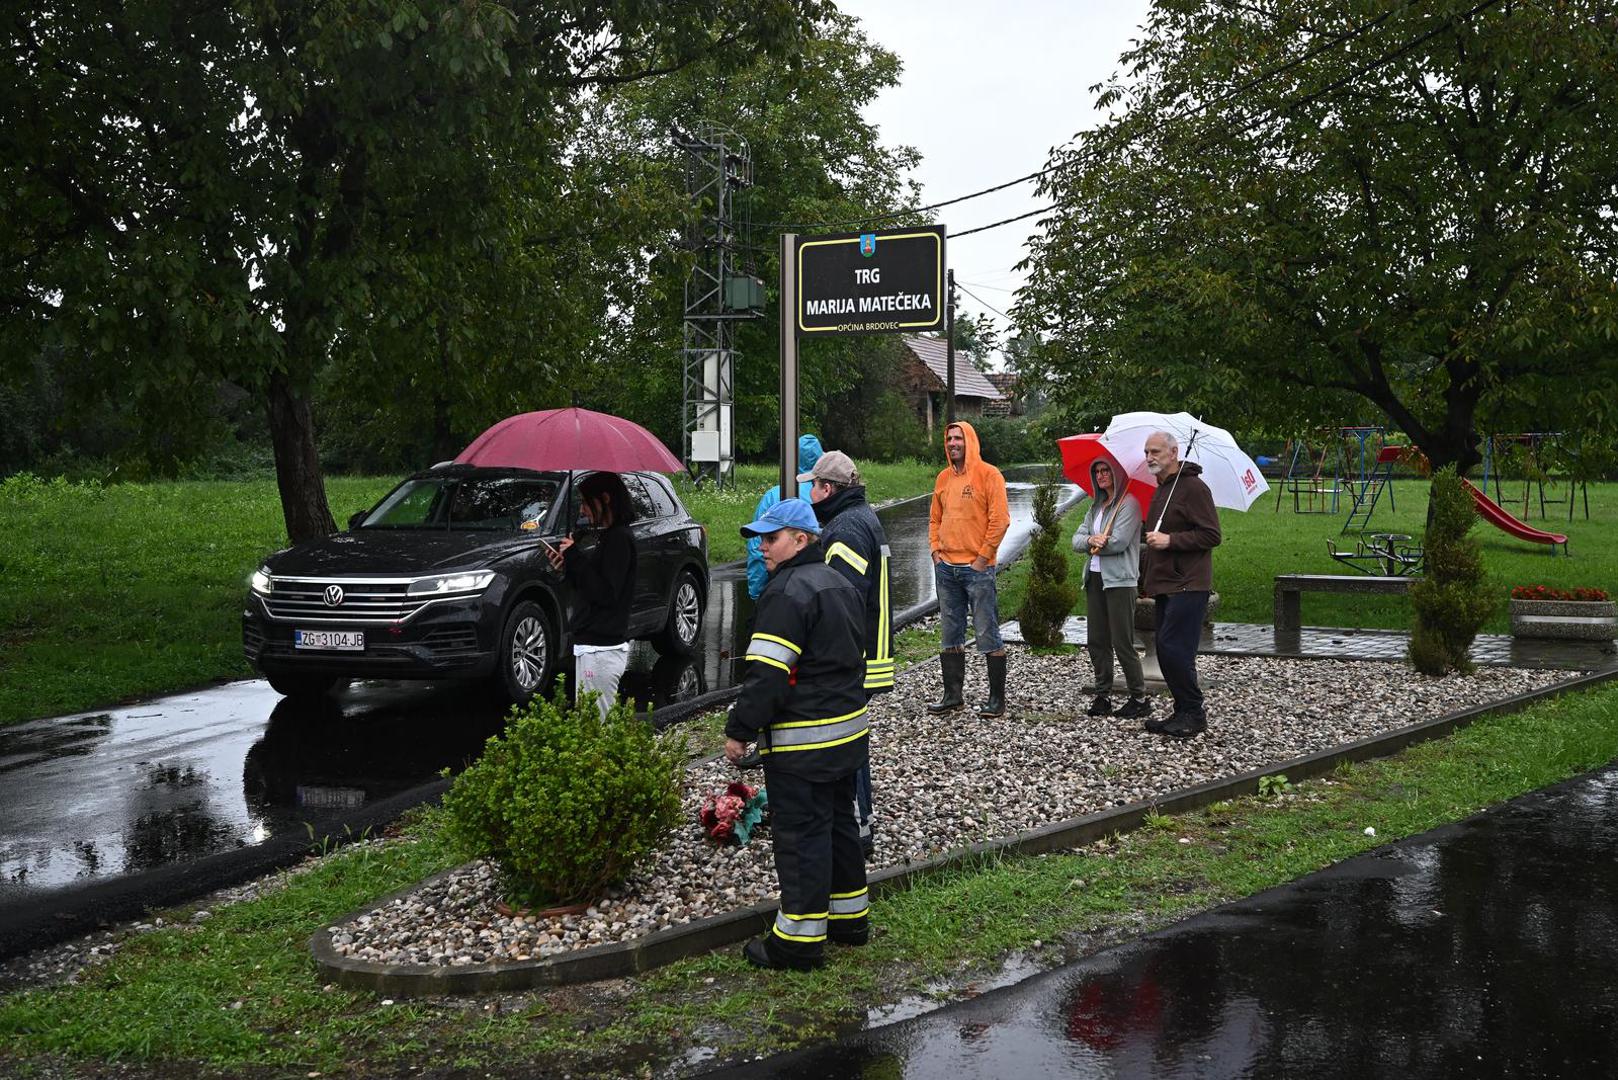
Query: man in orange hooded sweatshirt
x=969, y=518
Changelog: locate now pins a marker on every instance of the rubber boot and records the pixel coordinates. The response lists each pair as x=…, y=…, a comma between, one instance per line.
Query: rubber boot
x=996, y=705
x=954, y=666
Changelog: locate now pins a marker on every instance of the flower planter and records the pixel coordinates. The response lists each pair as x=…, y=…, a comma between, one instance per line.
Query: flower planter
x=1146, y=612
x=1580, y=620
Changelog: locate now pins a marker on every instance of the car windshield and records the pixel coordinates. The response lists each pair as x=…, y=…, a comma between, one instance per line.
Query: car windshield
x=492, y=503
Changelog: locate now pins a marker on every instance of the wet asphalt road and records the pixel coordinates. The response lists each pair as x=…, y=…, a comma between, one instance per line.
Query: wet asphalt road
x=1482, y=949
x=127, y=791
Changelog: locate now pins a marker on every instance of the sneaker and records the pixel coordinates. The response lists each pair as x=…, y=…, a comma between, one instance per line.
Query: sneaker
x=1134, y=709
x=1156, y=724
x=1186, y=725
x=757, y=953
x=1101, y=706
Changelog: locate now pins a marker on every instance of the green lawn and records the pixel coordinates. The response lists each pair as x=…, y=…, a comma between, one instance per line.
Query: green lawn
x=1264, y=542
x=115, y=592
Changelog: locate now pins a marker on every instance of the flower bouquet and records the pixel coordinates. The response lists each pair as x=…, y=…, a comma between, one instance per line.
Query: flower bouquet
x=729, y=816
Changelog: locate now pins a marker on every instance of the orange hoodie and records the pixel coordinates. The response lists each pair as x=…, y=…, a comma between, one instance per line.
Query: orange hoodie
x=969, y=514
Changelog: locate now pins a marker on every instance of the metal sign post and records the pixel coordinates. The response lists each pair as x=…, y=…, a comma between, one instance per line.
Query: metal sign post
x=789, y=365
x=949, y=355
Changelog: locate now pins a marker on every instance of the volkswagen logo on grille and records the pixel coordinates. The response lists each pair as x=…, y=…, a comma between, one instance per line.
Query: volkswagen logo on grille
x=334, y=595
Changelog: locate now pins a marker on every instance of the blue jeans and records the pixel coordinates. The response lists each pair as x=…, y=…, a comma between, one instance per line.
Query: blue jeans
x=960, y=587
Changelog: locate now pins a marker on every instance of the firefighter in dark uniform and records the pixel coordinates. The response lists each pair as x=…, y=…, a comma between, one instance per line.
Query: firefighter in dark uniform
x=803, y=703
x=857, y=547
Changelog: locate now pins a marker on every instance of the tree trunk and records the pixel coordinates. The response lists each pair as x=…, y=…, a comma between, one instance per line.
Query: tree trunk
x=297, y=464
x=444, y=447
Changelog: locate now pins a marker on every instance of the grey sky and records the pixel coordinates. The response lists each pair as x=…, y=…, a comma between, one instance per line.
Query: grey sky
x=987, y=90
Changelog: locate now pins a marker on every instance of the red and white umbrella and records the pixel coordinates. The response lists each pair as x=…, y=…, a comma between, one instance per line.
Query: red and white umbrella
x=1079, y=452
x=570, y=439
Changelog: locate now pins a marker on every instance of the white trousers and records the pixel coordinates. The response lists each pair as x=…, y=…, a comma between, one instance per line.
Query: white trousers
x=599, y=668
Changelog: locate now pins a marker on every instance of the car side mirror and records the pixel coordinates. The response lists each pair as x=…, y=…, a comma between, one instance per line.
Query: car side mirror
x=356, y=517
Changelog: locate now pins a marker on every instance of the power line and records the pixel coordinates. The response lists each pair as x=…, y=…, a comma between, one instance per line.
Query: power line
x=1263, y=76
x=997, y=224
x=1288, y=106
x=986, y=304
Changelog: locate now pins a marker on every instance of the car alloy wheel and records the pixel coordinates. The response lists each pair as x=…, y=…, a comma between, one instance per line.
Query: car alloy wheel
x=530, y=647
x=687, y=612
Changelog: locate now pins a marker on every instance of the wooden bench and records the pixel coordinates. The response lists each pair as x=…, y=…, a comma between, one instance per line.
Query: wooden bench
x=1289, y=587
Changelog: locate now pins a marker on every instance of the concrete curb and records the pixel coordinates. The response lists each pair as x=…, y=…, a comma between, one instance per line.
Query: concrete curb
x=665, y=946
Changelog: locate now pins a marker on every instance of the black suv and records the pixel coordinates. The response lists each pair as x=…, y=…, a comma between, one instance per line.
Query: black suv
x=446, y=577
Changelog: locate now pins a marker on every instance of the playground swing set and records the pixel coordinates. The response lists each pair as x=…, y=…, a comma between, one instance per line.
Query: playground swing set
x=1362, y=459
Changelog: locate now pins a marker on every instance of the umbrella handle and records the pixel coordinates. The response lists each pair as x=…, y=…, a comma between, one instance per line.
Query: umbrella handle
x=1169, y=497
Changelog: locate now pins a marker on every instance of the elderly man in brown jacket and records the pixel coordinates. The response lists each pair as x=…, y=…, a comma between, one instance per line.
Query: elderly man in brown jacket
x=1177, y=572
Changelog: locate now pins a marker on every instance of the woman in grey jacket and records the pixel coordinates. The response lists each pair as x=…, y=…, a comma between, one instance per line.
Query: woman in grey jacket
x=1109, y=539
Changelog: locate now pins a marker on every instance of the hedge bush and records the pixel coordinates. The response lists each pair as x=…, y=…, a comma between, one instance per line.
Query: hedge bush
x=1452, y=600
x=1050, y=596
x=566, y=801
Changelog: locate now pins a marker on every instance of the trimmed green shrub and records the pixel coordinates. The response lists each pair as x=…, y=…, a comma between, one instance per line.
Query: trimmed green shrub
x=1452, y=600
x=568, y=802
x=1050, y=596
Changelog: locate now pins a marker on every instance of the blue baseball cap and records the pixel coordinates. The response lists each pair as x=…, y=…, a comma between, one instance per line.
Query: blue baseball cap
x=786, y=514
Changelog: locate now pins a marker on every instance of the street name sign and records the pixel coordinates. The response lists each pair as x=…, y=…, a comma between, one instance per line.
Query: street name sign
x=872, y=283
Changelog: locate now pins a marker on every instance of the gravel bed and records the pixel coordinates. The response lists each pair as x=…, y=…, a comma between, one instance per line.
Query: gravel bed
x=942, y=783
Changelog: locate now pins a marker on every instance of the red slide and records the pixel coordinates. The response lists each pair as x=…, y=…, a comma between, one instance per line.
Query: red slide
x=1495, y=515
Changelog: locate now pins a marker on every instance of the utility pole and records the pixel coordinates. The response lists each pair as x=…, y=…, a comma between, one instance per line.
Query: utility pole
x=949, y=355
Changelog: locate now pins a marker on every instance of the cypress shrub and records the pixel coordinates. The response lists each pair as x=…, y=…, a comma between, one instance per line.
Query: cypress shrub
x=1452, y=599
x=1050, y=596
x=567, y=801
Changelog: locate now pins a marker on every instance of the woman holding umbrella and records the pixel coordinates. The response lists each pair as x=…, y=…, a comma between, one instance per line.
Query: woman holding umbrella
x=1109, y=539
x=603, y=585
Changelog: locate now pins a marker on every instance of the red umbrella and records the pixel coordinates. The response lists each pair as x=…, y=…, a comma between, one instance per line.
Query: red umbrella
x=565, y=439
x=1078, y=451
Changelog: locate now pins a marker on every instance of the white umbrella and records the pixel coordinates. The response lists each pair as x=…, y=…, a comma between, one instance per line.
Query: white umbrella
x=1232, y=477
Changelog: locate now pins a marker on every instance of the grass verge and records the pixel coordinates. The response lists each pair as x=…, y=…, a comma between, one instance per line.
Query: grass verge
x=240, y=990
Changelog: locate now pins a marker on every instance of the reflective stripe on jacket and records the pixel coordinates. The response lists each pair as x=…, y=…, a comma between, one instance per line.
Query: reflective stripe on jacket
x=857, y=547
x=803, y=694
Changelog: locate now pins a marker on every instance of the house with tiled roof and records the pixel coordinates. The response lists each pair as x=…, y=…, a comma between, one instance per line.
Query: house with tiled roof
x=924, y=375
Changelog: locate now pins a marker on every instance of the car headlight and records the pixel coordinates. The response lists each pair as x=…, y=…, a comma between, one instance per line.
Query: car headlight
x=261, y=582
x=452, y=584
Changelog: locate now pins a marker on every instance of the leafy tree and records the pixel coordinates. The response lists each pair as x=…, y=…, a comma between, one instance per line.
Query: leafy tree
x=246, y=190
x=1301, y=210
x=814, y=160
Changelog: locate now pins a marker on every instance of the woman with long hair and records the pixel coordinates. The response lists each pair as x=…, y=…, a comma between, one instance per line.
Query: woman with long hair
x=602, y=581
x=1109, y=540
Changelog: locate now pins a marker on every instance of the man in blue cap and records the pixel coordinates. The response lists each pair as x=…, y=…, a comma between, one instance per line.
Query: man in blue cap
x=803, y=703
x=808, y=453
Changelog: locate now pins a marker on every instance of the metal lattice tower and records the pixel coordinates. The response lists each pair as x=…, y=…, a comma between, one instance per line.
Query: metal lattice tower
x=718, y=295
